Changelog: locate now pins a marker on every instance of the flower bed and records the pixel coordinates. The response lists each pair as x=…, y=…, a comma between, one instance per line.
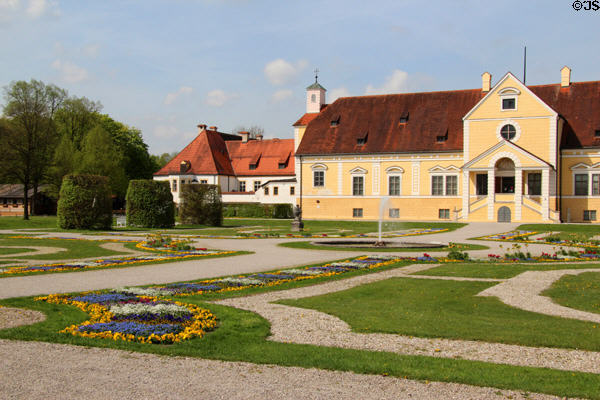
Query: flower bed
x=266, y=279
x=121, y=315
x=165, y=254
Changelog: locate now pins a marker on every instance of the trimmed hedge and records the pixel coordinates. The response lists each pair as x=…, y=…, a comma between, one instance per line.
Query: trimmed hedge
x=201, y=205
x=255, y=210
x=150, y=204
x=84, y=202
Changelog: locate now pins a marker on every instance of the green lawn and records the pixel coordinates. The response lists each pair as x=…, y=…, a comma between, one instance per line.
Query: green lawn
x=74, y=248
x=570, y=228
x=241, y=336
x=309, y=246
x=581, y=292
x=448, y=309
x=496, y=270
x=237, y=226
x=15, y=250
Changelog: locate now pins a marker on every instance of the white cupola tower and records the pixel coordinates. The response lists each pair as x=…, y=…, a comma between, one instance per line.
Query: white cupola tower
x=315, y=95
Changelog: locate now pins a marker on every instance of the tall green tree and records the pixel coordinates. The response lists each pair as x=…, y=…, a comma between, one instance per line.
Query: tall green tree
x=64, y=163
x=136, y=160
x=99, y=156
x=28, y=134
x=76, y=117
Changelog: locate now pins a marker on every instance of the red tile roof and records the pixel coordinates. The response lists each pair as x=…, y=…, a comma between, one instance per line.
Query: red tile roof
x=579, y=105
x=268, y=153
x=215, y=153
x=377, y=119
x=207, y=155
x=433, y=114
x=306, y=118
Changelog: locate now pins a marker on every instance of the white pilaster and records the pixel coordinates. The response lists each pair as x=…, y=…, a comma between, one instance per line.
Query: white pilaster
x=416, y=177
x=553, y=140
x=376, y=185
x=465, y=195
x=340, y=177
x=545, y=193
x=518, y=193
x=491, y=194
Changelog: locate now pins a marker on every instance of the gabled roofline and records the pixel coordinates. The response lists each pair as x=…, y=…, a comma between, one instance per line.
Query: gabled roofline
x=493, y=90
x=502, y=144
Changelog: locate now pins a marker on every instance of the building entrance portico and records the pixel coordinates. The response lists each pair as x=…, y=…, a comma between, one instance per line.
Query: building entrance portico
x=505, y=184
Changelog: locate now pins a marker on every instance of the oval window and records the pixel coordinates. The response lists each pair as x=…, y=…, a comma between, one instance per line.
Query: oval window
x=508, y=132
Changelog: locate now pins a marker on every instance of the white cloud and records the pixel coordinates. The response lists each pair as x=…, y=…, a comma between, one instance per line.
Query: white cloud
x=165, y=131
x=91, y=50
x=279, y=72
x=282, y=95
x=171, y=97
x=335, y=94
x=37, y=8
x=395, y=83
x=9, y=4
x=218, y=98
x=70, y=72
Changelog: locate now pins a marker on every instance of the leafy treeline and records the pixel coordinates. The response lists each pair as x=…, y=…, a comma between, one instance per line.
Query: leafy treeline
x=46, y=134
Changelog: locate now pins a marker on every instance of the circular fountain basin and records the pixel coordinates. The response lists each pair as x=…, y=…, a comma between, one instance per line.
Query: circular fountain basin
x=373, y=243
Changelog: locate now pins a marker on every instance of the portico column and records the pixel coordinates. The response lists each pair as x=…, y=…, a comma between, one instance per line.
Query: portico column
x=465, y=196
x=545, y=193
x=491, y=194
x=518, y=193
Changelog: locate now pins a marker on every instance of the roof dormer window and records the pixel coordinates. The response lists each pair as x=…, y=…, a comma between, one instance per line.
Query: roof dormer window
x=403, y=118
x=335, y=121
x=252, y=166
x=361, y=140
x=442, y=138
x=597, y=133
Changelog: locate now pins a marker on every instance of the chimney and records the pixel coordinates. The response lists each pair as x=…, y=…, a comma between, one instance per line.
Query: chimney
x=245, y=136
x=201, y=128
x=213, y=128
x=565, y=76
x=259, y=137
x=486, y=82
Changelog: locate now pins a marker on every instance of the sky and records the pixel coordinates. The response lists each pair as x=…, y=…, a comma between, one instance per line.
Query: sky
x=165, y=66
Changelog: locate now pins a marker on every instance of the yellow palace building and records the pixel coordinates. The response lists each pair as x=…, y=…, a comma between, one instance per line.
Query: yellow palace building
x=504, y=152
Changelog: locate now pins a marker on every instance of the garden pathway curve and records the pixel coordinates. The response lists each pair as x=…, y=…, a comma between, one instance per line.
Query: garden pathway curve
x=37, y=370
x=524, y=291
x=299, y=325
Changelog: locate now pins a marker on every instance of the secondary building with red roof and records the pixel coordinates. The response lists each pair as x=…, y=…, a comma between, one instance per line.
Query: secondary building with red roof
x=247, y=169
x=502, y=152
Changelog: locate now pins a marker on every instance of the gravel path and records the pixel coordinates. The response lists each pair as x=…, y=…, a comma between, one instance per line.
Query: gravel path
x=299, y=325
x=29, y=371
x=11, y=317
x=524, y=291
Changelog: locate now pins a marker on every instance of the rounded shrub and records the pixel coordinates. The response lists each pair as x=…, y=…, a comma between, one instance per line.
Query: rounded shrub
x=150, y=204
x=201, y=205
x=84, y=202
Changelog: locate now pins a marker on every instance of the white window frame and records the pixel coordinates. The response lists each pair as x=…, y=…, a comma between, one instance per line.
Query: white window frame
x=509, y=93
x=319, y=168
x=508, y=122
x=590, y=174
x=394, y=171
x=444, y=184
x=358, y=172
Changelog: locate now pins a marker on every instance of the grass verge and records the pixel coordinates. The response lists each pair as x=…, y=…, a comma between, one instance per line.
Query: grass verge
x=242, y=335
x=309, y=246
x=449, y=309
x=497, y=270
x=581, y=292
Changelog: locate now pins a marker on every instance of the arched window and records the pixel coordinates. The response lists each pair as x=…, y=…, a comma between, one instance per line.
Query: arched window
x=313, y=98
x=508, y=132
